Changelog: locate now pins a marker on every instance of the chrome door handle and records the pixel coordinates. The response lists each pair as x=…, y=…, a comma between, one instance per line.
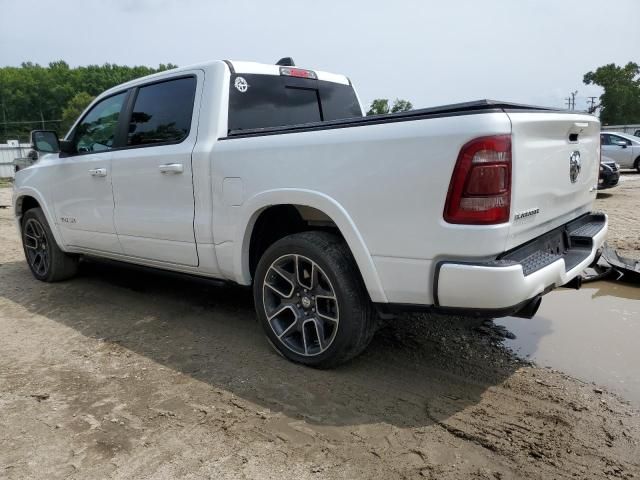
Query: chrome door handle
x=171, y=168
x=98, y=172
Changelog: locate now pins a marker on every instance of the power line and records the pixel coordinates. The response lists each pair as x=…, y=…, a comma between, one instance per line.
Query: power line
x=31, y=121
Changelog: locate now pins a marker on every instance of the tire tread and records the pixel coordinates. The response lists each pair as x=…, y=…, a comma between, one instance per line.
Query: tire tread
x=336, y=253
x=63, y=266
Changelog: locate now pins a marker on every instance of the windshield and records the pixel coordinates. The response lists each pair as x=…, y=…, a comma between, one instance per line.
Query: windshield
x=261, y=101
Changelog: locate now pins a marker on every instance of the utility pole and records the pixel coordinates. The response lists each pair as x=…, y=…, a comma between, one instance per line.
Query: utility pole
x=592, y=104
x=573, y=100
x=567, y=101
x=4, y=117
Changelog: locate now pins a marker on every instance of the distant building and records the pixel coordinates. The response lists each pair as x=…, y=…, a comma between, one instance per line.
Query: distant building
x=9, y=152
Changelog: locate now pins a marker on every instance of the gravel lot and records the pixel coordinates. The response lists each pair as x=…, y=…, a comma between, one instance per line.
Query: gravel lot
x=121, y=373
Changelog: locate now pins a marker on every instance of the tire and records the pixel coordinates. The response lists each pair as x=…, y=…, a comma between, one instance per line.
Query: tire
x=45, y=259
x=311, y=301
x=637, y=164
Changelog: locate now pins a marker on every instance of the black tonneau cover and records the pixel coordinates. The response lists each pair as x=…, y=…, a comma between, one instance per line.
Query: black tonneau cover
x=466, y=108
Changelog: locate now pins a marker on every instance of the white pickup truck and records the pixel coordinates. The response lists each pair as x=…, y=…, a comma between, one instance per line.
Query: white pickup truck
x=269, y=175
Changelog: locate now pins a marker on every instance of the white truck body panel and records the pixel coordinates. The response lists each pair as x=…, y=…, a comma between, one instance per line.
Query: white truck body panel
x=541, y=155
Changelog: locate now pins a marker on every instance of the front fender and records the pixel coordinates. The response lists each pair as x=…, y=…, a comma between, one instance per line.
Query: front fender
x=256, y=204
x=19, y=193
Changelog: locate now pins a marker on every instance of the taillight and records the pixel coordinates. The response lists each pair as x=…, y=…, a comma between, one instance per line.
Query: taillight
x=480, y=188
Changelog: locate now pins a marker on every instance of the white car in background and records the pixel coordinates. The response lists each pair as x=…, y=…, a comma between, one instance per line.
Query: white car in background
x=622, y=148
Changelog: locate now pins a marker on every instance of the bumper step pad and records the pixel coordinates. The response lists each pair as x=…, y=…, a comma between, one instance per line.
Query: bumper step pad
x=571, y=242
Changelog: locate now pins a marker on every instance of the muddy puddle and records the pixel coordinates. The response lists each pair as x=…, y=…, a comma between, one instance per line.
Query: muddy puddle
x=592, y=334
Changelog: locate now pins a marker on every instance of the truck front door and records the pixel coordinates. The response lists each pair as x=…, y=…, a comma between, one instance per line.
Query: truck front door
x=81, y=183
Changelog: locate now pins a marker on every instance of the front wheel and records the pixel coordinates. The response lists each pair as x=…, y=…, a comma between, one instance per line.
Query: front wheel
x=311, y=301
x=47, y=262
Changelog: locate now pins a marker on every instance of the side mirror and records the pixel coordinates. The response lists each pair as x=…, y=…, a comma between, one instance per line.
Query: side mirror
x=45, y=141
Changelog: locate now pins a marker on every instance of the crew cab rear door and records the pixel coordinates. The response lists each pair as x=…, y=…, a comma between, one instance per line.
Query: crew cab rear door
x=152, y=173
x=556, y=161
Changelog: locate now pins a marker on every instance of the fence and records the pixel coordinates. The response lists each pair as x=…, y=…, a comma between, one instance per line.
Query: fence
x=630, y=129
x=21, y=129
x=8, y=153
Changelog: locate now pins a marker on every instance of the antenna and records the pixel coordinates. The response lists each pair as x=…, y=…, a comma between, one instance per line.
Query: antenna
x=286, y=62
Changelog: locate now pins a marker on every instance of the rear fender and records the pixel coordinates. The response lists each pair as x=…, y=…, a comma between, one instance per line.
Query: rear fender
x=256, y=204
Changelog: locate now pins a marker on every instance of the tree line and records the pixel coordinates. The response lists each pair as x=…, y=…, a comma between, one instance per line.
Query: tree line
x=33, y=96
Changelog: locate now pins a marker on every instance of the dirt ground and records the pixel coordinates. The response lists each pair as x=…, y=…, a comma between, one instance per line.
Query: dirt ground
x=122, y=374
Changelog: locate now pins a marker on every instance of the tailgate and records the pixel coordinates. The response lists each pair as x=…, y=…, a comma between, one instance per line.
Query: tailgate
x=556, y=161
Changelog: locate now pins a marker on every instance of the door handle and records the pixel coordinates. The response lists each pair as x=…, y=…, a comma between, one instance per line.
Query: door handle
x=98, y=172
x=171, y=168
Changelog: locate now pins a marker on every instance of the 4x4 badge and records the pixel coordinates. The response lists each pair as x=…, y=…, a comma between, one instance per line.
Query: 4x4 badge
x=574, y=166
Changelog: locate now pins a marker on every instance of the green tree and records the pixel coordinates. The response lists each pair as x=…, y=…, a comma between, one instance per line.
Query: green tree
x=380, y=106
x=620, y=102
x=32, y=95
x=400, y=105
x=73, y=109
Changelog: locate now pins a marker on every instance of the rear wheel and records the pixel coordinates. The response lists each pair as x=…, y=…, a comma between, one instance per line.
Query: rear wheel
x=47, y=262
x=311, y=301
x=637, y=164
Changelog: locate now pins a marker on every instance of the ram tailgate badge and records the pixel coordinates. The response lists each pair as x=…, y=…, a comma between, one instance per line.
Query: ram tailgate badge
x=574, y=166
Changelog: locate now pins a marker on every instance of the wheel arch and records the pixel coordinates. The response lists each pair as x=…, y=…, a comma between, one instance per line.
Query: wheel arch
x=325, y=206
x=28, y=198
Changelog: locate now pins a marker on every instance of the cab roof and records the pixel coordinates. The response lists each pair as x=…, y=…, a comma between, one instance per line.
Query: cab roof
x=235, y=66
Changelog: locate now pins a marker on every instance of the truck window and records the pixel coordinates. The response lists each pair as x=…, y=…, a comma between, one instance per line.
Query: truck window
x=96, y=131
x=261, y=101
x=162, y=112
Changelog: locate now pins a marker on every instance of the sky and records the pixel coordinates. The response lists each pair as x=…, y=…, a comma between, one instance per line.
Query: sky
x=429, y=52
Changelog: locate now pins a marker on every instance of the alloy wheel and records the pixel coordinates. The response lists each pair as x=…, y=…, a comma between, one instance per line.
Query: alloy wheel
x=37, y=247
x=300, y=304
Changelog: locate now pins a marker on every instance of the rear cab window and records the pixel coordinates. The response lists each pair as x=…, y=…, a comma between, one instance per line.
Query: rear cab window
x=261, y=101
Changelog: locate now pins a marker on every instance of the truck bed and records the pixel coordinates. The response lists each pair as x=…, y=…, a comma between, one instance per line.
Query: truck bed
x=454, y=109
